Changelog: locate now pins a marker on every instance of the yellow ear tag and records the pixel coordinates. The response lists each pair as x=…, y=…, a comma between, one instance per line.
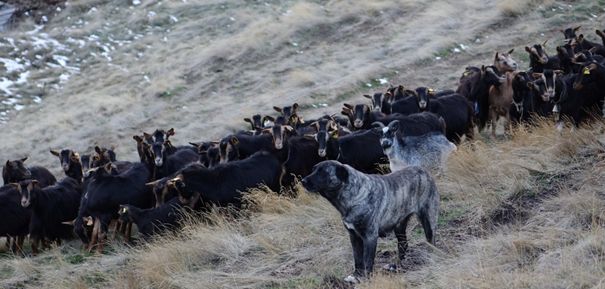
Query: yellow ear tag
x=334, y=134
x=431, y=90
x=466, y=73
x=586, y=71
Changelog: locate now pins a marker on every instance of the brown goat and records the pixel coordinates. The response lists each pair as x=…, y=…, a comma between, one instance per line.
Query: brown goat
x=500, y=100
x=504, y=61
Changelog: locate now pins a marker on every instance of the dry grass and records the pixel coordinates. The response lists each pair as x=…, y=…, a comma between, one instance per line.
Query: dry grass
x=521, y=212
x=519, y=7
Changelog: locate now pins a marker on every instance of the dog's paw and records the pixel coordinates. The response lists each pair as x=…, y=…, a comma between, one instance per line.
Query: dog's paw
x=352, y=279
x=390, y=267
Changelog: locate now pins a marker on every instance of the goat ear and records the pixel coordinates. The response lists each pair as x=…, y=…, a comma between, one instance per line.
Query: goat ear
x=511, y=51
x=577, y=28
x=24, y=159
x=544, y=43
x=147, y=137
x=108, y=168
x=234, y=140
x=8, y=163
x=98, y=150
x=248, y=120
x=527, y=49
x=278, y=109
x=170, y=132
x=536, y=75
x=54, y=152
x=367, y=96
x=15, y=186
x=268, y=118
x=294, y=106
x=194, y=144
x=496, y=56
x=347, y=105
x=137, y=138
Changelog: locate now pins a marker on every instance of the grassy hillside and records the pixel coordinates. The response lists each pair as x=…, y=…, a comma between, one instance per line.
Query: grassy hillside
x=525, y=212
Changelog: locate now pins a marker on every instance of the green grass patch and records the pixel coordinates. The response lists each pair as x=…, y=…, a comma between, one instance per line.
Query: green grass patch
x=75, y=259
x=171, y=92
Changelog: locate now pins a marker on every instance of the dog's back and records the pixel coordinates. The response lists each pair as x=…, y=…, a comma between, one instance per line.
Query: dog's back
x=400, y=194
x=429, y=151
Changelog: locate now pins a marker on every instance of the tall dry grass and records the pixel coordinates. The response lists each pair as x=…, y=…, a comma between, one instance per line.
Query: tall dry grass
x=548, y=183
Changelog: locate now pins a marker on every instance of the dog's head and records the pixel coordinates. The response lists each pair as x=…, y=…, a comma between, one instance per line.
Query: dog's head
x=327, y=178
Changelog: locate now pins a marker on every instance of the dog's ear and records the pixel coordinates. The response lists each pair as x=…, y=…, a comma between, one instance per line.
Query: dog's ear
x=342, y=173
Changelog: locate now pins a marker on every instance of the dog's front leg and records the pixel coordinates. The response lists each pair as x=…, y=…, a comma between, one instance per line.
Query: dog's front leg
x=357, y=244
x=369, y=252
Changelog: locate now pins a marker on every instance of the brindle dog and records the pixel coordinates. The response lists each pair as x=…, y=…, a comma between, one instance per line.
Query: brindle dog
x=373, y=205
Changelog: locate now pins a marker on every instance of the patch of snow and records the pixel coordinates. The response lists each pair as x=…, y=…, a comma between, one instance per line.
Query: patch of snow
x=382, y=80
x=368, y=84
x=11, y=65
x=44, y=19
x=10, y=101
x=37, y=99
x=456, y=50
x=19, y=107
x=61, y=60
x=174, y=19
x=294, y=44
x=5, y=83
x=438, y=58
x=136, y=2
x=22, y=78
x=64, y=77
x=463, y=47
x=151, y=14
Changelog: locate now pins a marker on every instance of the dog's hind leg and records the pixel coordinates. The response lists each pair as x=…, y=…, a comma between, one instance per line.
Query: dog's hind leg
x=402, y=239
x=428, y=218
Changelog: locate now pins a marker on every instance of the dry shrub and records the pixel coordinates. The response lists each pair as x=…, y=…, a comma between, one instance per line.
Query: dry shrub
x=382, y=281
x=518, y=7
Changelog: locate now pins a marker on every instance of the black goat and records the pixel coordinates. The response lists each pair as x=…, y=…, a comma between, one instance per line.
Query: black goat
x=51, y=207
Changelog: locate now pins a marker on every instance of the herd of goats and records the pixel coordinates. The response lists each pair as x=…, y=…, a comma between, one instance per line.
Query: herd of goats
x=399, y=128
